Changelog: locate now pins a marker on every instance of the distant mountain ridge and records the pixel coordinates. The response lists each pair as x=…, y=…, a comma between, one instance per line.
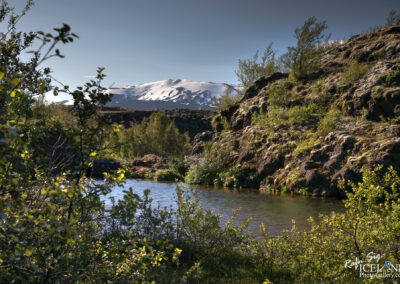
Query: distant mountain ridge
x=170, y=94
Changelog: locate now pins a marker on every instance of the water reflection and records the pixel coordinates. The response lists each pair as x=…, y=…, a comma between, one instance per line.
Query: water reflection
x=275, y=211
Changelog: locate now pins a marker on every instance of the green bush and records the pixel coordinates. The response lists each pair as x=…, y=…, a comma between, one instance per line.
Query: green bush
x=215, y=160
x=392, y=79
x=279, y=96
x=305, y=145
x=353, y=70
x=304, y=59
x=228, y=99
x=201, y=172
x=249, y=70
x=289, y=116
x=219, y=123
x=228, y=178
x=301, y=114
x=392, y=19
x=166, y=175
x=329, y=122
x=267, y=120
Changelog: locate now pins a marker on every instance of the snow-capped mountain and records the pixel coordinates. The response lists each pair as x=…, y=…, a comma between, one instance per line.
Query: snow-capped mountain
x=170, y=94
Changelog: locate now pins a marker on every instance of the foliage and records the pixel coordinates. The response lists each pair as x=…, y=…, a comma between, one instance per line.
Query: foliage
x=228, y=99
x=329, y=122
x=57, y=112
x=392, y=19
x=279, y=96
x=200, y=172
x=249, y=70
x=353, y=70
x=392, y=79
x=228, y=178
x=287, y=116
x=368, y=225
x=155, y=135
x=302, y=114
x=219, y=123
x=388, y=120
x=166, y=175
x=269, y=119
x=215, y=160
x=303, y=59
x=305, y=145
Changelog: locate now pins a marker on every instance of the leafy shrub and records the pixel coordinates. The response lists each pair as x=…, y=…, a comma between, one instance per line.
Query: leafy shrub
x=249, y=70
x=304, y=59
x=166, y=175
x=305, y=145
x=201, y=172
x=267, y=120
x=329, y=122
x=293, y=115
x=301, y=114
x=279, y=96
x=219, y=123
x=392, y=79
x=228, y=99
x=392, y=19
x=215, y=160
x=353, y=70
x=56, y=228
x=228, y=178
x=388, y=120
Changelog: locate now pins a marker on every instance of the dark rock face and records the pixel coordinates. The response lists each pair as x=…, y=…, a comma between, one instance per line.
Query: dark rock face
x=245, y=155
x=269, y=163
x=151, y=161
x=197, y=144
x=148, y=166
x=386, y=105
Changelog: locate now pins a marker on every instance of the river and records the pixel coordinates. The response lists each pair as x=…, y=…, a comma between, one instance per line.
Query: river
x=275, y=211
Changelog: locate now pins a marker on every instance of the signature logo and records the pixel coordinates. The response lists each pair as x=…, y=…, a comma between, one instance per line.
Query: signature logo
x=370, y=267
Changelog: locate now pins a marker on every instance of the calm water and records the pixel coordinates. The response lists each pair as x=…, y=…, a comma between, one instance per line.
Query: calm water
x=276, y=212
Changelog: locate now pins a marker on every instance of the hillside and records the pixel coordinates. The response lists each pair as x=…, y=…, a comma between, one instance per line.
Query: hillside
x=303, y=137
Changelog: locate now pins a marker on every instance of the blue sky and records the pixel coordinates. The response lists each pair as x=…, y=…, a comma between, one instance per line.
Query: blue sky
x=140, y=41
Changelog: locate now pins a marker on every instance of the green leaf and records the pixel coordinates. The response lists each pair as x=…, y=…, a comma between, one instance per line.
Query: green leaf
x=28, y=252
x=15, y=82
x=1, y=75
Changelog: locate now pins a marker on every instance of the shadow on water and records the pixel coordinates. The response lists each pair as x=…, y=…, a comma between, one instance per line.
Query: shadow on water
x=275, y=211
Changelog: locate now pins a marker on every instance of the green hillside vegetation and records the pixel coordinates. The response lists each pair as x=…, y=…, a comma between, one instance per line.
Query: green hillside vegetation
x=56, y=228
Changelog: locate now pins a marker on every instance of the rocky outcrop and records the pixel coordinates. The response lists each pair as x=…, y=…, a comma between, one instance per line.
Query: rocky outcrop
x=148, y=166
x=360, y=78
